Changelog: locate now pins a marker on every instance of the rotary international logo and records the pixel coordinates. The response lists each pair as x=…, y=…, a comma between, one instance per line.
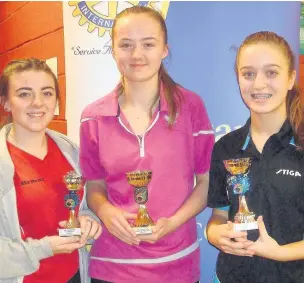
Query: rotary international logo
x=100, y=15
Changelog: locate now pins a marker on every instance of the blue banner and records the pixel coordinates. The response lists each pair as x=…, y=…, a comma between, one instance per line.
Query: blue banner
x=203, y=40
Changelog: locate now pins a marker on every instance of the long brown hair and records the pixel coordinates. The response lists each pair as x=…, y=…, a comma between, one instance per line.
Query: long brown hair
x=19, y=66
x=171, y=91
x=293, y=101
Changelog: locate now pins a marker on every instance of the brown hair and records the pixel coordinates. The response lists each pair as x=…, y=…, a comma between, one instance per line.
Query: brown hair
x=293, y=102
x=171, y=91
x=19, y=66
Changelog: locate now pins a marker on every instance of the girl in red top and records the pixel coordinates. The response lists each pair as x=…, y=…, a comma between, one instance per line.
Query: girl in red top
x=33, y=162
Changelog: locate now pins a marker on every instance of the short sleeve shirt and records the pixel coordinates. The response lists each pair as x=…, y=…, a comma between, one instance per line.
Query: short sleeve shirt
x=275, y=192
x=109, y=149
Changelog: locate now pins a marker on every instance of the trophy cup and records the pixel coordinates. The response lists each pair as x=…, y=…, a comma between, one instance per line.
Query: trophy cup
x=72, y=182
x=139, y=180
x=239, y=180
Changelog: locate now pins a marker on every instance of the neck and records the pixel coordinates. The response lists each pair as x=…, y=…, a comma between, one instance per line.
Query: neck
x=267, y=124
x=27, y=140
x=141, y=94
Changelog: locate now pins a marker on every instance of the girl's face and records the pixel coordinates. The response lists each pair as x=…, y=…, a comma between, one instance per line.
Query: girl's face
x=31, y=100
x=264, y=78
x=139, y=47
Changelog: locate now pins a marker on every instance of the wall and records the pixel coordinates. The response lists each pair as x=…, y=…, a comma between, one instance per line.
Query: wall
x=34, y=29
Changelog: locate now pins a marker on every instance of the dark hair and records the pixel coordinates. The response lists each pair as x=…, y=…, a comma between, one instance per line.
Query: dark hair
x=293, y=102
x=19, y=66
x=172, y=93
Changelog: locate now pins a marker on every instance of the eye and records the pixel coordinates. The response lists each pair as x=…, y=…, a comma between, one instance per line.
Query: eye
x=24, y=94
x=149, y=44
x=125, y=45
x=249, y=75
x=48, y=93
x=271, y=73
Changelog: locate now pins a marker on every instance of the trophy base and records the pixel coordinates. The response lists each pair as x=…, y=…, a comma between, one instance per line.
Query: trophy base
x=245, y=226
x=69, y=232
x=143, y=230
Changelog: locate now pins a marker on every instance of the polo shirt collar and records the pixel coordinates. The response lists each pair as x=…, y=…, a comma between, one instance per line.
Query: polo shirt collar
x=285, y=135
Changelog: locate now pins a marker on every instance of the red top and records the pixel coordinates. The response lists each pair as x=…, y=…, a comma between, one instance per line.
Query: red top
x=40, y=192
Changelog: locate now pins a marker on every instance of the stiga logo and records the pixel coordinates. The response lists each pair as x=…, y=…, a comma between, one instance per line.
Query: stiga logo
x=101, y=14
x=288, y=172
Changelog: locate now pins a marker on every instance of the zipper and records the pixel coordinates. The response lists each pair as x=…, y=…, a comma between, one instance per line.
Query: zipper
x=140, y=139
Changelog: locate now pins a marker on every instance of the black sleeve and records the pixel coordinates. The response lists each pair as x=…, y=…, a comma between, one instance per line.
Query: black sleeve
x=217, y=194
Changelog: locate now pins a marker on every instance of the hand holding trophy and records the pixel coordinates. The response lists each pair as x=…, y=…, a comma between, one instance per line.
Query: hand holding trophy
x=239, y=169
x=139, y=180
x=73, y=182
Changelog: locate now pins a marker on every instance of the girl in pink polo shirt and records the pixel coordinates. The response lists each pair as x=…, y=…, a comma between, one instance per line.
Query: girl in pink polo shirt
x=149, y=123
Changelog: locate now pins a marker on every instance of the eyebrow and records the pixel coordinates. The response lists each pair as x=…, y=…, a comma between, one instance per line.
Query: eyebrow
x=268, y=65
x=29, y=88
x=145, y=38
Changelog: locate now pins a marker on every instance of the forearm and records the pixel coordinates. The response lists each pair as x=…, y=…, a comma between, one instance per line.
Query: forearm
x=20, y=258
x=217, y=218
x=196, y=202
x=97, y=197
x=290, y=252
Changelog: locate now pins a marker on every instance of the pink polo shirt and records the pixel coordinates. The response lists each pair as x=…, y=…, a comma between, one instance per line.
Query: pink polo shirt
x=109, y=149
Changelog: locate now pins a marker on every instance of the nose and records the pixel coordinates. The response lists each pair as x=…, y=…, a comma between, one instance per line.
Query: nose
x=137, y=52
x=37, y=100
x=260, y=81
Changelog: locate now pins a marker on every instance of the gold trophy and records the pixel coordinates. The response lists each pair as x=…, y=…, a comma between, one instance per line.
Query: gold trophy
x=139, y=180
x=239, y=180
x=73, y=183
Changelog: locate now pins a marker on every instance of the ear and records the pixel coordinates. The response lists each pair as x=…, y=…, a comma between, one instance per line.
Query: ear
x=292, y=79
x=7, y=106
x=166, y=51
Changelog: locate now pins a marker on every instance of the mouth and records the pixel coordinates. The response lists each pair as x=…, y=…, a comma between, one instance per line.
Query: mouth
x=261, y=96
x=137, y=65
x=36, y=114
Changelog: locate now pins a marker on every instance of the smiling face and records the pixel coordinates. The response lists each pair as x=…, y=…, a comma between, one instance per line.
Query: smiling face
x=31, y=100
x=139, y=47
x=264, y=77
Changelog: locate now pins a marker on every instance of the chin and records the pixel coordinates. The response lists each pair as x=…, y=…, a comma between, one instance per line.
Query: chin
x=137, y=78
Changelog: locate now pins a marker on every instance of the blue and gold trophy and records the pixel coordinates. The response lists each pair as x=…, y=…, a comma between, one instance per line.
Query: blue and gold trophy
x=73, y=183
x=239, y=180
x=140, y=180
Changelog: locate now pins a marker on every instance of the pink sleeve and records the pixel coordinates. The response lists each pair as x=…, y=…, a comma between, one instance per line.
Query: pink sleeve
x=203, y=136
x=89, y=151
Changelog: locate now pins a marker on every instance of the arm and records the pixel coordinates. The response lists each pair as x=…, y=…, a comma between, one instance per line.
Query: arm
x=20, y=258
x=220, y=231
x=195, y=203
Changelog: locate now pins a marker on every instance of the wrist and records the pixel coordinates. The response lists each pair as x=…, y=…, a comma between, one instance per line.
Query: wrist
x=104, y=207
x=174, y=222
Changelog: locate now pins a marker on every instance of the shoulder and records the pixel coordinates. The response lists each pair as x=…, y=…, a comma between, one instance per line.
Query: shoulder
x=61, y=139
x=189, y=97
x=231, y=142
x=100, y=107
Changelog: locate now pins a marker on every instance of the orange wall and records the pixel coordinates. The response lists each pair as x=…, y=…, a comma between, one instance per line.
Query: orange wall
x=34, y=29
